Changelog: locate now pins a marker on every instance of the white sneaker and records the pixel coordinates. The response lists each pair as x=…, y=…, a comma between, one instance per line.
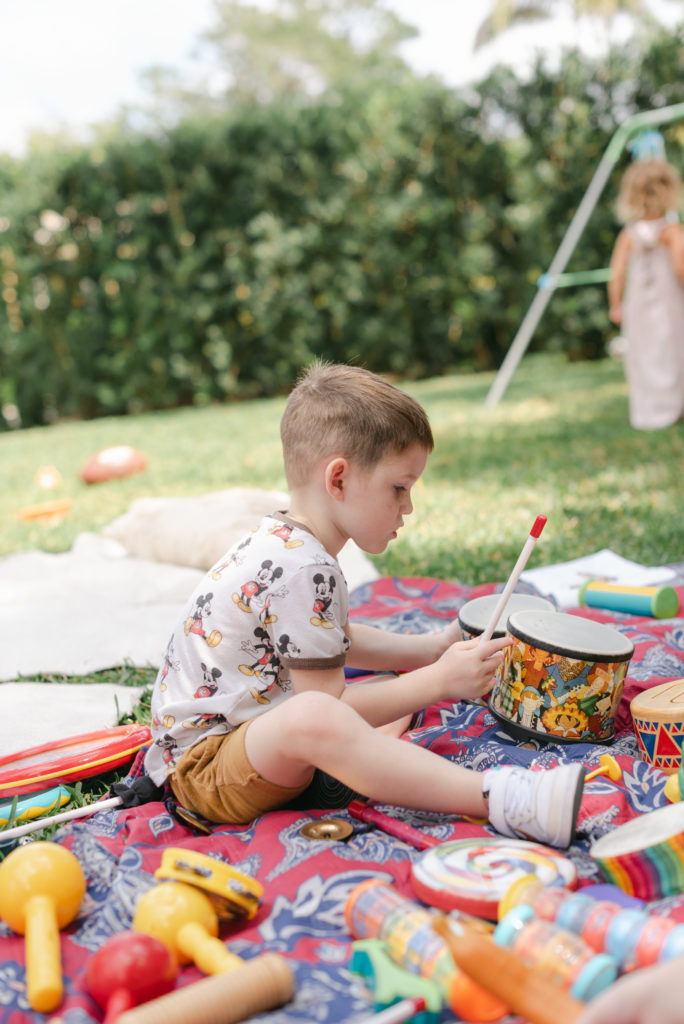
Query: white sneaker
x=537, y=805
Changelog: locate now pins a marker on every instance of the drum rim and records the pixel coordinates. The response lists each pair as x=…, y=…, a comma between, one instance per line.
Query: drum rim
x=519, y=633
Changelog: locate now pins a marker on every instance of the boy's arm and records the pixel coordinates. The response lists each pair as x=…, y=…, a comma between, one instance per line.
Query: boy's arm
x=465, y=670
x=618, y=274
x=379, y=701
x=378, y=651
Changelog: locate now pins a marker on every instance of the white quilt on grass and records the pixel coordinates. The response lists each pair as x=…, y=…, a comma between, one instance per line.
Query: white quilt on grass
x=87, y=609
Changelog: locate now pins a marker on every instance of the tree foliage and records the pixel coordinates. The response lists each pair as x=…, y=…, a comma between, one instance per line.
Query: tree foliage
x=402, y=226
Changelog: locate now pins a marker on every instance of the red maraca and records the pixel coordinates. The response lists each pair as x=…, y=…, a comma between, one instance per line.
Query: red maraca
x=130, y=968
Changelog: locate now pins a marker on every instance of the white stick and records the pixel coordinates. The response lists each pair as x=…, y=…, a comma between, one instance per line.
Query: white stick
x=401, y=1011
x=539, y=524
x=56, y=819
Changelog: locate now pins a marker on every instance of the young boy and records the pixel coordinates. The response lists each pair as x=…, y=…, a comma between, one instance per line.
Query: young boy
x=251, y=697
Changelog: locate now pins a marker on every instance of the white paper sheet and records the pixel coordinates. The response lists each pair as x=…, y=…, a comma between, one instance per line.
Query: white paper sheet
x=563, y=580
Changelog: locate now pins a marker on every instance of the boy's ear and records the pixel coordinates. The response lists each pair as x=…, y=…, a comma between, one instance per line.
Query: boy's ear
x=336, y=477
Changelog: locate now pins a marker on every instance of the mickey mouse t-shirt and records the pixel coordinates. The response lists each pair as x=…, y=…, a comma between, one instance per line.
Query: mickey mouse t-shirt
x=276, y=601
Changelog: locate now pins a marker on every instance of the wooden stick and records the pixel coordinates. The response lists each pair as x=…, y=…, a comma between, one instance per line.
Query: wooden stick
x=261, y=984
x=539, y=524
x=526, y=991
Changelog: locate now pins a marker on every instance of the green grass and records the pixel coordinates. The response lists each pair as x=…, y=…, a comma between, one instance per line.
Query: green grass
x=558, y=444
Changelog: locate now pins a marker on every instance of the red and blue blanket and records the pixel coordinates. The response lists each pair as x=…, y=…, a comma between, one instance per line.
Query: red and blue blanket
x=306, y=882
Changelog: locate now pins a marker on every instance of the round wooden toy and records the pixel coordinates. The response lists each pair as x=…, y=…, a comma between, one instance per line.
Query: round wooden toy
x=658, y=715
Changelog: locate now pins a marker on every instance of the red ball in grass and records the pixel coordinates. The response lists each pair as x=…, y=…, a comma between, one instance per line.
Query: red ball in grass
x=113, y=463
x=130, y=968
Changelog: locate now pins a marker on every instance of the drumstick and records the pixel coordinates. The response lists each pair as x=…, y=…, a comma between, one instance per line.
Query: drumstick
x=527, y=992
x=393, y=827
x=405, y=1009
x=539, y=524
x=56, y=819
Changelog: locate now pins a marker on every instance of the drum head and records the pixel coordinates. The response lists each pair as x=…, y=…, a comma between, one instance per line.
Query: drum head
x=473, y=875
x=474, y=615
x=571, y=636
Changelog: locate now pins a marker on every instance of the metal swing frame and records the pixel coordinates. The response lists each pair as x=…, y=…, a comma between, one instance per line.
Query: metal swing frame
x=550, y=280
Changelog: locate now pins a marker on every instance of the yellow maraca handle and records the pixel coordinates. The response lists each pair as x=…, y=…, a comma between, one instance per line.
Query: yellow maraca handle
x=43, y=955
x=207, y=952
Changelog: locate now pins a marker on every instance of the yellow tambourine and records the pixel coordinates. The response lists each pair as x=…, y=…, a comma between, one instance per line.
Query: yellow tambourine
x=232, y=893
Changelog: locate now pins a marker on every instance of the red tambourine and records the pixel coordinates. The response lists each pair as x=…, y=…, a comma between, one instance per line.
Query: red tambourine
x=67, y=760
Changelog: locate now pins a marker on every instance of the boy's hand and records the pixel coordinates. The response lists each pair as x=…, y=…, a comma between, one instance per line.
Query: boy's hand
x=470, y=667
x=445, y=638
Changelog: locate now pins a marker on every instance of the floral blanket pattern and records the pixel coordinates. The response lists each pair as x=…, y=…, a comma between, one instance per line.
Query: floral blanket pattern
x=306, y=882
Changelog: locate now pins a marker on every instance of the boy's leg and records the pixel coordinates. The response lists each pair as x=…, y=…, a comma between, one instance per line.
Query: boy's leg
x=314, y=730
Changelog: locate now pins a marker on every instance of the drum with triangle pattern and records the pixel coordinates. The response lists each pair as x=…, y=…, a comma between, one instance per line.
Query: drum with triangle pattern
x=658, y=715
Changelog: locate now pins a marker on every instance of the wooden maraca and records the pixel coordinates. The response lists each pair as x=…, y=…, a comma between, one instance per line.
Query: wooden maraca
x=129, y=969
x=41, y=888
x=183, y=918
x=609, y=767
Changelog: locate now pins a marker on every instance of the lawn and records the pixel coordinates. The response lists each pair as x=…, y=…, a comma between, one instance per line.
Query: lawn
x=558, y=444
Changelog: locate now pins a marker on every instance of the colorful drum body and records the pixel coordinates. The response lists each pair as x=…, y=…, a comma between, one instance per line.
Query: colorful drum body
x=645, y=857
x=658, y=715
x=474, y=616
x=561, y=679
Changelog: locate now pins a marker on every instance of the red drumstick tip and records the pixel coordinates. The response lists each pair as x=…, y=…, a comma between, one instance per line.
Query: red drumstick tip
x=539, y=524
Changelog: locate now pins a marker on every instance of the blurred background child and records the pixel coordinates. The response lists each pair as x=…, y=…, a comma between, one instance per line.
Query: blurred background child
x=646, y=292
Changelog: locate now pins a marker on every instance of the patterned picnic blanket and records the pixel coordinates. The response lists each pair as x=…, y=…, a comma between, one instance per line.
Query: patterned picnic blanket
x=306, y=882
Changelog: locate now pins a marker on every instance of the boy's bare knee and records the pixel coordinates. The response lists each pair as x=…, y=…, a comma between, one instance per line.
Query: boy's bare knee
x=315, y=714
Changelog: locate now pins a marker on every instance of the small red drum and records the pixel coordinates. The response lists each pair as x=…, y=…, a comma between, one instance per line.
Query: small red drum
x=658, y=715
x=474, y=616
x=561, y=679
x=645, y=857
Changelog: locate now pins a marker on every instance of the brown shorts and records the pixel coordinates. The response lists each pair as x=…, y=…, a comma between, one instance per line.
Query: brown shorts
x=215, y=779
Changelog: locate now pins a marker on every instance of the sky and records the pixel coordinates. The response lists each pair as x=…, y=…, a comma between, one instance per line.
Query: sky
x=74, y=63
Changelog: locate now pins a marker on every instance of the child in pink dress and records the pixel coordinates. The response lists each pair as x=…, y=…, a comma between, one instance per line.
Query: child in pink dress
x=646, y=293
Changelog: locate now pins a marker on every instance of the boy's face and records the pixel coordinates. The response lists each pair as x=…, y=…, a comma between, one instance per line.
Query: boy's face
x=377, y=499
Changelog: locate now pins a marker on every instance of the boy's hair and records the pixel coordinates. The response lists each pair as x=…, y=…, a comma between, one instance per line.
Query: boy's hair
x=336, y=409
x=650, y=188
